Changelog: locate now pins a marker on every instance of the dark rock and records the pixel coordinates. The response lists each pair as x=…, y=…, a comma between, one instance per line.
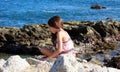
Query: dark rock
x=99, y=34
x=9, y=38
x=114, y=62
x=97, y=7
x=118, y=53
x=22, y=40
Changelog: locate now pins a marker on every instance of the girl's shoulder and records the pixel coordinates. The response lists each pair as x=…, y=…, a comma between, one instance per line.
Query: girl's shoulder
x=62, y=32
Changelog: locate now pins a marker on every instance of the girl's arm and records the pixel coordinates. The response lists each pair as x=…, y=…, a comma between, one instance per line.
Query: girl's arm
x=57, y=52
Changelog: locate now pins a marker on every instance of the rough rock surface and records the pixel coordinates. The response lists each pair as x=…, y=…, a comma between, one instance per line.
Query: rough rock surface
x=27, y=40
x=43, y=66
x=114, y=62
x=39, y=66
x=24, y=40
x=67, y=63
x=2, y=61
x=14, y=64
x=63, y=63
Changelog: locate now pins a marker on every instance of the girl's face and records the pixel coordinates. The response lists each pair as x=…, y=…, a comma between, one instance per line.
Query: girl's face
x=59, y=22
x=52, y=29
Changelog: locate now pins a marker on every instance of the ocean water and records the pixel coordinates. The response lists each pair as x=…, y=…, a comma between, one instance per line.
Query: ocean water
x=17, y=13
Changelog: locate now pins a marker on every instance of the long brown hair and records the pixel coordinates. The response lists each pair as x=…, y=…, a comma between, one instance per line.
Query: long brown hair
x=52, y=23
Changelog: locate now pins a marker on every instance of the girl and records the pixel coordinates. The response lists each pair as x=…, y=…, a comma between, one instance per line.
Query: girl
x=60, y=39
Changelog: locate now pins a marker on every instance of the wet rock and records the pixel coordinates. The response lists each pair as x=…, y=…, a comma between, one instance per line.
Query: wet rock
x=97, y=7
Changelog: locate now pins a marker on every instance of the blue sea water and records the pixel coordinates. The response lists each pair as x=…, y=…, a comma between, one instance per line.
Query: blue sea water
x=17, y=13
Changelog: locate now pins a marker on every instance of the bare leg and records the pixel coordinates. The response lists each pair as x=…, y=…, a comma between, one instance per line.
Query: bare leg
x=46, y=51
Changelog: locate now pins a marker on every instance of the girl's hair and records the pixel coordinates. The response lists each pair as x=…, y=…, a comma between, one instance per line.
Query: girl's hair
x=52, y=23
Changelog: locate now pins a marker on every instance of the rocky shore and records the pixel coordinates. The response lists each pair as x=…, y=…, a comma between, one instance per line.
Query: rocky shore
x=92, y=38
x=28, y=39
x=63, y=63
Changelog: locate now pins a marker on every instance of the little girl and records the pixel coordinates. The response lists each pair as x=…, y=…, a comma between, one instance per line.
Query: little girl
x=60, y=39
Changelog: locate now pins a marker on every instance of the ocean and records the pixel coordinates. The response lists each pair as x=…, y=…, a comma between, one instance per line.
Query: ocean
x=17, y=13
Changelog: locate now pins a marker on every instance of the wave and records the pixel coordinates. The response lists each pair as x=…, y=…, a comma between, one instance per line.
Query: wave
x=50, y=11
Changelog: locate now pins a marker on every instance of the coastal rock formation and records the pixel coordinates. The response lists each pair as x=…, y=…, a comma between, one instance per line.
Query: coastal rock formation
x=99, y=35
x=97, y=7
x=24, y=40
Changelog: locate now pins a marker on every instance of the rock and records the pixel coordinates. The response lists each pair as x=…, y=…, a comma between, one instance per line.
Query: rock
x=114, y=62
x=97, y=7
x=118, y=37
x=87, y=57
x=2, y=61
x=90, y=67
x=113, y=70
x=42, y=66
x=23, y=40
x=105, y=28
x=119, y=44
x=81, y=60
x=63, y=63
x=66, y=63
x=95, y=61
x=30, y=38
x=15, y=64
x=83, y=33
x=38, y=65
x=33, y=61
x=99, y=69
